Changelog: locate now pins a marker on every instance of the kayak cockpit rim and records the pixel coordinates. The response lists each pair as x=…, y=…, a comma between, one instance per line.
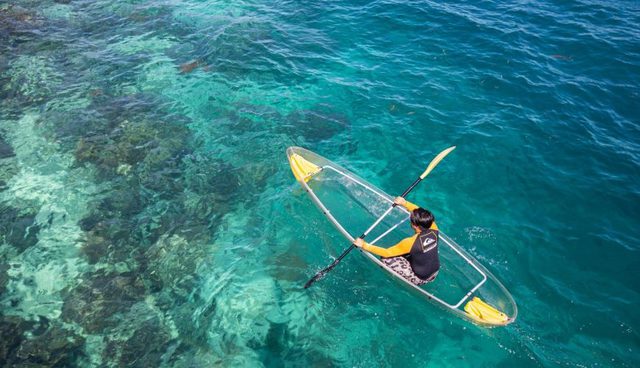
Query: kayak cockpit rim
x=335, y=222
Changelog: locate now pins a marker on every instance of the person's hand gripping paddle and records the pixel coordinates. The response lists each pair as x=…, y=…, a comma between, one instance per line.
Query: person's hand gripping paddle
x=436, y=160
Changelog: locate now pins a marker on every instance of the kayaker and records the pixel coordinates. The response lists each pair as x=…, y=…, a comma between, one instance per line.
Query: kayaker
x=416, y=257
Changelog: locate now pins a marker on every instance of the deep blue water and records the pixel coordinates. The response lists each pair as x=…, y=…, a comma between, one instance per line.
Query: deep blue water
x=148, y=216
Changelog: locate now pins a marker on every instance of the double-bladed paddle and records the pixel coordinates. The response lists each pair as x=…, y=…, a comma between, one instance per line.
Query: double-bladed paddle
x=436, y=160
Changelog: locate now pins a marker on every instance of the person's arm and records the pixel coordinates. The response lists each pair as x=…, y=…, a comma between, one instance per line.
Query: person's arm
x=404, y=203
x=402, y=248
x=409, y=206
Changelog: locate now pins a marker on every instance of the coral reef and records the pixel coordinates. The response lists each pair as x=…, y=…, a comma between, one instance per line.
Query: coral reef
x=4, y=277
x=190, y=66
x=5, y=149
x=18, y=229
x=136, y=213
x=95, y=303
x=145, y=348
x=316, y=124
x=33, y=79
x=42, y=343
x=8, y=167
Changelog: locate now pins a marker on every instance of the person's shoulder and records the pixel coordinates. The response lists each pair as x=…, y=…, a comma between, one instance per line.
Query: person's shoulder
x=412, y=237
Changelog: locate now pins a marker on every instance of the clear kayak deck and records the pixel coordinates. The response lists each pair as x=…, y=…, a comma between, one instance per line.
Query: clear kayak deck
x=463, y=285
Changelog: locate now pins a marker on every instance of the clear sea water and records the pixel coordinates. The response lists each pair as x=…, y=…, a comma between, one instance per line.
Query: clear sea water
x=148, y=216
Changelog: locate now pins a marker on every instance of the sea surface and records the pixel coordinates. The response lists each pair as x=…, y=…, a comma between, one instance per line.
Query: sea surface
x=149, y=218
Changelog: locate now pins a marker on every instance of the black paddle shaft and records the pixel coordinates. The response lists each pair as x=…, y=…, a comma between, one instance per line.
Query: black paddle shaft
x=326, y=270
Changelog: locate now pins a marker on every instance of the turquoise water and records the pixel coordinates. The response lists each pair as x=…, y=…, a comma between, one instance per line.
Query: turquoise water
x=148, y=216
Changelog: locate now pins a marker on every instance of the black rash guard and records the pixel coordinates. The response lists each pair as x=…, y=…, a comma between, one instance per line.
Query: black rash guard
x=423, y=256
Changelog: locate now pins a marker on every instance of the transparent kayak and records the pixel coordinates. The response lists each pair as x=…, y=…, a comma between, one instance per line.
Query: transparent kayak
x=463, y=286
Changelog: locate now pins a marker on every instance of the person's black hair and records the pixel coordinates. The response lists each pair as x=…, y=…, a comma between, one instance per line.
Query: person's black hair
x=422, y=218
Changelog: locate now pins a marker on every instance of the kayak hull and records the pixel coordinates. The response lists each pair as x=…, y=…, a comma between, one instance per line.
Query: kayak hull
x=463, y=287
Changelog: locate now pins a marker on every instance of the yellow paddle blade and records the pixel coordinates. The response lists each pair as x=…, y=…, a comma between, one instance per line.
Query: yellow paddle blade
x=483, y=312
x=302, y=169
x=436, y=160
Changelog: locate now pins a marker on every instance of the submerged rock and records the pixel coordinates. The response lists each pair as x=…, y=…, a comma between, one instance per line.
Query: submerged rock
x=118, y=134
x=14, y=18
x=146, y=347
x=214, y=188
x=165, y=180
x=141, y=340
x=316, y=124
x=12, y=330
x=69, y=126
x=148, y=150
x=5, y=149
x=280, y=348
x=108, y=238
x=33, y=79
x=188, y=67
x=254, y=177
x=18, y=229
x=289, y=266
x=4, y=277
x=172, y=261
x=95, y=248
x=56, y=347
x=209, y=175
x=8, y=167
x=124, y=200
x=98, y=151
x=94, y=302
x=37, y=343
